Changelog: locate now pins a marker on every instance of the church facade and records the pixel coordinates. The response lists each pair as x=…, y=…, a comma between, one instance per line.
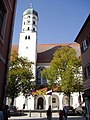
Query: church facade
x=41, y=55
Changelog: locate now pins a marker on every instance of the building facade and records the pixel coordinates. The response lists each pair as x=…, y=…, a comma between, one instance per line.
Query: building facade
x=83, y=38
x=7, y=12
x=41, y=55
x=56, y=99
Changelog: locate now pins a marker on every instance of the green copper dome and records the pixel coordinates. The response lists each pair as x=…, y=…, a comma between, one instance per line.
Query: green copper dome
x=30, y=11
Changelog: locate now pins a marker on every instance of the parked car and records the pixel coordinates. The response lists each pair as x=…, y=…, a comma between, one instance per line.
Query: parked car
x=13, y=110
x=80, y=110
x=70, y=110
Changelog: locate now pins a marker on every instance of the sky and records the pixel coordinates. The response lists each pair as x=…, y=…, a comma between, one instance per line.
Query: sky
x=59, y=20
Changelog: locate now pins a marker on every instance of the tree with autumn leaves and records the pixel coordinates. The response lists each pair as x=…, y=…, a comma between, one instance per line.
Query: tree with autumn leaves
x=65, y=71
x=19, y=77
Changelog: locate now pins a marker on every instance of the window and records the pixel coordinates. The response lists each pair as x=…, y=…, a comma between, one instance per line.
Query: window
x=40, y=80
x=34, y=17
x=87, y=71
x=28, y=37
x=2, y=18
x=26, y=47
x=33, y=22
x=84, y=45
x=28, y=21
x=28, y=17
x=33, y=29
x=53, y=100
x=25, y=37
x=24, y=17
x=28, y=28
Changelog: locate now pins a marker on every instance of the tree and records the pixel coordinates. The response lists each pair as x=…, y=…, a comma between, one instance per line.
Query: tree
x=50, y=75
x=65, y=71
x=20, y=75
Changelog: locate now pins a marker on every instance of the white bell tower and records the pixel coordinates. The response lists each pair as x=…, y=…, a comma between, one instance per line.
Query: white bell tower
x=28, y=37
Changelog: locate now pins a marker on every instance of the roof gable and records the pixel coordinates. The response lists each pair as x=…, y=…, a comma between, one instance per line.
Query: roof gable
x=45, y=52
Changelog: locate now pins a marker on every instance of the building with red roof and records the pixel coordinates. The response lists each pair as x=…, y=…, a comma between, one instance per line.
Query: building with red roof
x=41, y=55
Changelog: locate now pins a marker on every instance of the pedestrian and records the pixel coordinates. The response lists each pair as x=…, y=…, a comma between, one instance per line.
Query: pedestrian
x=1, y=114
x=49, y=113
x=65, y=113
x=6, y=112
x=61, y=115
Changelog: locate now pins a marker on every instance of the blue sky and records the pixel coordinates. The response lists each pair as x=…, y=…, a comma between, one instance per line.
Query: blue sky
x=59, y=20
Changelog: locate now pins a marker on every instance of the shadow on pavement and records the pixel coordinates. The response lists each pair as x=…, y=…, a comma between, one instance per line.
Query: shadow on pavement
x=36, y=119
x=18, y=115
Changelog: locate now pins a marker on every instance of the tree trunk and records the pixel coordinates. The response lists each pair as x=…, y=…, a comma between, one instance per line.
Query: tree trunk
x=69, y=98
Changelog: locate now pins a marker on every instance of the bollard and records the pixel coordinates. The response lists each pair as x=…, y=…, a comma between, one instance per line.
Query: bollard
x=30, y=113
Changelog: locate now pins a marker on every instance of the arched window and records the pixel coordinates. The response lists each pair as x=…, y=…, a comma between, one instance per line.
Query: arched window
x=29, y=37
x=33, y=22
x=40, y=103
x=53, y=100
x=25, y=37
x=28, y=28
x=33, y=29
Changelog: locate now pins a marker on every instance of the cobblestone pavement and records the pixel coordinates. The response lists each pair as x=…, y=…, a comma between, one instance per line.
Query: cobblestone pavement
x=43, y=117
x=69, y=118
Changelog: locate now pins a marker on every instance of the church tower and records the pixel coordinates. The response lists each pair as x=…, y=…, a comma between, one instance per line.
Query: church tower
x=28, y=37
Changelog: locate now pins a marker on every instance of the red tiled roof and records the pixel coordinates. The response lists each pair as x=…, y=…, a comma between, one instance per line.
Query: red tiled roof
x=14, y=48
x=45, y=51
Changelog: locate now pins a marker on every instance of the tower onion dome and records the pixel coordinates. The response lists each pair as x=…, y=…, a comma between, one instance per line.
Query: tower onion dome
x=30, y=11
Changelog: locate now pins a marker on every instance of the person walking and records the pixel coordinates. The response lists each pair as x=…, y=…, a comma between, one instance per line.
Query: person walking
x=49, y=113
x=61, y=115
x=65, y=113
